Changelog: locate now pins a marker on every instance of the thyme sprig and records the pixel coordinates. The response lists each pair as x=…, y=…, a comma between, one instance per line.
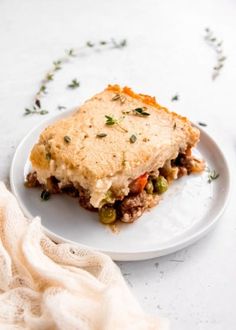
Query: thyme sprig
x=74, y=84
x=58, y=65
x=35, y=110
x=212, y=175
x=216, y=45
x=110, y=121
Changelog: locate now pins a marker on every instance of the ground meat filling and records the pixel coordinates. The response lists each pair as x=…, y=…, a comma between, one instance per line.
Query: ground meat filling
x=139, y=199
x=133, y=206
x=84, y=199
x=31, y=180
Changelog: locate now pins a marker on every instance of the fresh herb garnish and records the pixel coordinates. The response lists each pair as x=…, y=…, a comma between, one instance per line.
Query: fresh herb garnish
x=35, y=111
x=101, y=135
x=45, y=195
x=212, y=175
x=61, y=107
x=48, y=156
x=74, y=84
x=37, y=103
x=141, y=112
x=49, y=76
x=110, y=120
x=119, y=97
x=215, y=44
x=116, y=97
x=71, y=52
x=113, y=121
x=202, y=124
x=175, y=98
x=67, y=139
x=57, y=65
x=43, y=89
x=133, y=138
x=89, y=44
x=121, y=44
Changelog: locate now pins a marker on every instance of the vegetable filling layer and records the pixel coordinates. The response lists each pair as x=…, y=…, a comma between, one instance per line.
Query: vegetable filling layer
x=145, y=191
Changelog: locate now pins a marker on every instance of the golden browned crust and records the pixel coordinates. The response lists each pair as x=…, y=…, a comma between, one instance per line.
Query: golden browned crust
x=151, y=100
x=147, y=99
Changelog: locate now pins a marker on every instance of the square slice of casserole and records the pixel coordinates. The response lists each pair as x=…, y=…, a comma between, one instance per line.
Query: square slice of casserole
x=117, y=153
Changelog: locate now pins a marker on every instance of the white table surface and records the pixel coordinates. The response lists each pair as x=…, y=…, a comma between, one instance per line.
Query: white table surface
x=166, y=53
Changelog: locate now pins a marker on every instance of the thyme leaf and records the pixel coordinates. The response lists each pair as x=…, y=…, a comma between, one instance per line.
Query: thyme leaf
x=116, y=97
x=119, y=97
x=101, y=135
x=212, y=175
x=43, y=89
x=141, y=112
x=49, y=76
x=133, y=138
x=74, y=84
x=43, y=112
x=121, y=44
x=57, y=65
x=202, y=124
x=110, y=120
x=37, y=103
x=71, y=52
x=89, y=44
x=175, y=98
x=61, y=107
x=67, y=139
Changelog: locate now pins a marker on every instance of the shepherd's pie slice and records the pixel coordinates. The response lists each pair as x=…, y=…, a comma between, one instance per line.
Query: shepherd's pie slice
x=117, y=153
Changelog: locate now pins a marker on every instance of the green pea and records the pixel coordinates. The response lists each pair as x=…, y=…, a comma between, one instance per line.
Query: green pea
x=149, y=187
x=160, y=184
x=107, y=214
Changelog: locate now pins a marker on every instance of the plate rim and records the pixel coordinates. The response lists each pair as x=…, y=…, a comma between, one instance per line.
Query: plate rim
x=134, y=255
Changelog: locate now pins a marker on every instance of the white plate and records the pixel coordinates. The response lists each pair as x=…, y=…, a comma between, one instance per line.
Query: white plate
x=189, y=209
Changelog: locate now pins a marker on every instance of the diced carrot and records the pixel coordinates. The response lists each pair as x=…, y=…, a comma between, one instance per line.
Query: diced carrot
x=139, y=184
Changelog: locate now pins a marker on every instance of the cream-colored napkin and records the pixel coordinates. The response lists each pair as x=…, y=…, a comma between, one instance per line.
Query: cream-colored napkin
x=44, y=285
